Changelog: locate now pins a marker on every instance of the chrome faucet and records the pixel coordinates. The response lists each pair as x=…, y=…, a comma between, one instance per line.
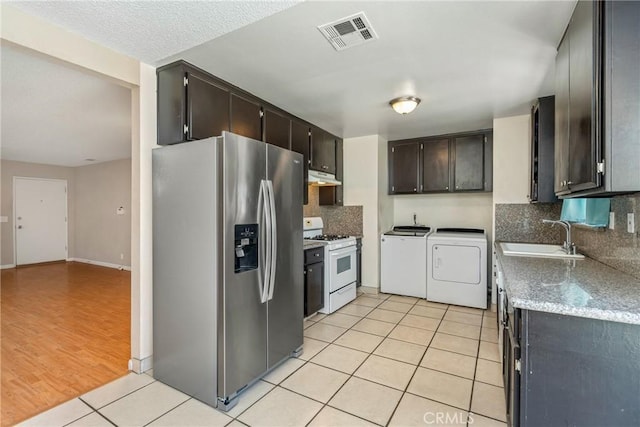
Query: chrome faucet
x=568, y=246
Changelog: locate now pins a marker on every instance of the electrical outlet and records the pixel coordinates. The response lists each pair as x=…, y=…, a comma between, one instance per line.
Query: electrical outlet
x=631, y=223
x=612, y=220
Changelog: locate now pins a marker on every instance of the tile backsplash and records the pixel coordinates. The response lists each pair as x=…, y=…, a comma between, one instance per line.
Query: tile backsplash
x=523, y=223
x=616, y=248
x=337, y=219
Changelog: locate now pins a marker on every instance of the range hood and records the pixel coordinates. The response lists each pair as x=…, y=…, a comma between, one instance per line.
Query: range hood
x=322, y=179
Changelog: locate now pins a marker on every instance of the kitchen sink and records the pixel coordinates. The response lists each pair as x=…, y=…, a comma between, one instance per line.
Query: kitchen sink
x=537, y=250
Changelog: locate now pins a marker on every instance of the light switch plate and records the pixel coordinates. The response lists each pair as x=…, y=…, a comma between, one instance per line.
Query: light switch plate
x=4, y=219
x=612, y=220
x=631, y=223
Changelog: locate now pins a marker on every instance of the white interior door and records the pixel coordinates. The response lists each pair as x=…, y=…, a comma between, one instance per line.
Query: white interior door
x=40, y=219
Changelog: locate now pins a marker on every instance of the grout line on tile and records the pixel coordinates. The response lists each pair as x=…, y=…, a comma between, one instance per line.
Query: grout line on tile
x=95, y=410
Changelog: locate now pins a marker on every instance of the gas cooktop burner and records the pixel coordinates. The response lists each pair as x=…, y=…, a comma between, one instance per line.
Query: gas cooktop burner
x=327, y=237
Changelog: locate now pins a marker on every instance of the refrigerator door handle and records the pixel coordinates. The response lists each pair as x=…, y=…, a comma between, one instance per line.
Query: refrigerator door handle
x=274, y=239
x=265, y=246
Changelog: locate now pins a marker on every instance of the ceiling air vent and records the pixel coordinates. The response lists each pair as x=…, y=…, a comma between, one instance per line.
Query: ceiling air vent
x=348, y=32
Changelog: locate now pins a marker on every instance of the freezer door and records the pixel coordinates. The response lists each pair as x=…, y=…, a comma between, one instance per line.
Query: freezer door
x=286, y=303
x=242, y=343
x=185, y=267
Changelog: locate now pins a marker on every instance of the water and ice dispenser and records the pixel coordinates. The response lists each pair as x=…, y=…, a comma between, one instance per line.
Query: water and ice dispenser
x=246, y=247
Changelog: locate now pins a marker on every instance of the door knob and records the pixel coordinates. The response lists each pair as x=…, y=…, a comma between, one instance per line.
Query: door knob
x=19, y=227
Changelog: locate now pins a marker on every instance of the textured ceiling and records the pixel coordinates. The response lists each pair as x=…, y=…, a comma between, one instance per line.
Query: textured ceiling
x=151, y=30
x=58, y=115
x=468, y=61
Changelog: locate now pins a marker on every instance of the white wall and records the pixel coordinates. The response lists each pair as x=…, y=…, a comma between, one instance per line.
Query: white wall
x=362, y=180
x=511, y=164
x=471, y=210
x=100, y=233
x=511, y=136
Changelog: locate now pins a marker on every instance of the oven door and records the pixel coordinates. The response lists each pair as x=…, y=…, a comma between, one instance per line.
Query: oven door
x=342, y=267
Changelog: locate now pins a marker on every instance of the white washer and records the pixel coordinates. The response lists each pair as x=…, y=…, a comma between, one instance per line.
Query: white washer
x=457, y=267
x=403, y=254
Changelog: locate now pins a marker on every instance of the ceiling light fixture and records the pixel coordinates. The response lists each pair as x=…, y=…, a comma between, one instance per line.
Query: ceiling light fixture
x=404, y=104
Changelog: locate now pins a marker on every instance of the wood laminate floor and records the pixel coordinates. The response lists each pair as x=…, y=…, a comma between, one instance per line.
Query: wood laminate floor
x=65, y=331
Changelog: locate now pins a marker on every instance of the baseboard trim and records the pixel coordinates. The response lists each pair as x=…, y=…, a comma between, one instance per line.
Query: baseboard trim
x=5, y=266
x=101, y=263
x=140, y=366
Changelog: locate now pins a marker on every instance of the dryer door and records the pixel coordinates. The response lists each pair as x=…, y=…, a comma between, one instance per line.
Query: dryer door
x=459, y=264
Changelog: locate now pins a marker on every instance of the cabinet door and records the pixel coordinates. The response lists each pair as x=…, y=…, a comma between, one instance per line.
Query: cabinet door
x=171, y=105
x=404, y=166
x=300, y=144
x=323, y=151
x=277, y=129
x=582, y=85
x=246, y=117
x=313, y=288
x=207, y=108
x=561, y=154
x=469, y=162
x=333, y=195
x=435, y=165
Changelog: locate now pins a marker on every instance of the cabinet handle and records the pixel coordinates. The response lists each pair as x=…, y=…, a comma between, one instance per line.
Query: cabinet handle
x=325, y=167
x=310, y=270
x=415, y=189
x=316, y=254
x=569, y=182
x=446, y=188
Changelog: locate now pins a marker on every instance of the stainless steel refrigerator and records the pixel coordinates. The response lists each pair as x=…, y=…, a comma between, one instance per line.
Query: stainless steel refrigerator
x=227, y=264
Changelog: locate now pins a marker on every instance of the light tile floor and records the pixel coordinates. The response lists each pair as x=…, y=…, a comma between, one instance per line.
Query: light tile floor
x=381, y=360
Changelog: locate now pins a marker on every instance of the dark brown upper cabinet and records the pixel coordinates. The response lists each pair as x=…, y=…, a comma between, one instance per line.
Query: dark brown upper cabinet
x=246, y=116
x=323, y=151
x=277, y=128
x=191, y=105
x=442, y=164
x=468, y=152
x=598, y=101
x=404, y=167
x=300, y=144
x=541, y=179
x=332, y=195
x=435, y=161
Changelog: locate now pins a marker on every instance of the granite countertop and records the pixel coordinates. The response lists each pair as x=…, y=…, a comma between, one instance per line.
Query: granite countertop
x=582, y=288
x=311, y=244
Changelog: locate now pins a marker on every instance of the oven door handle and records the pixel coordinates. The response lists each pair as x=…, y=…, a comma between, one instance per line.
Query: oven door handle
x=342, y=251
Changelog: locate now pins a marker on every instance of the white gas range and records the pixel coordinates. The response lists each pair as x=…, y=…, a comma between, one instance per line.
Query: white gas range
x=339, y=264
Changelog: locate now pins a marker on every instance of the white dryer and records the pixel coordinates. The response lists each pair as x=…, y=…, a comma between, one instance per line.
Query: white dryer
x=457, y=267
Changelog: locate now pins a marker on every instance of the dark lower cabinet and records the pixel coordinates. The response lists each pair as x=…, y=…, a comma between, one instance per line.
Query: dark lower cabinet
x=313, y=280
x=358, y=261
x=571, y=371
x=246, y=117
